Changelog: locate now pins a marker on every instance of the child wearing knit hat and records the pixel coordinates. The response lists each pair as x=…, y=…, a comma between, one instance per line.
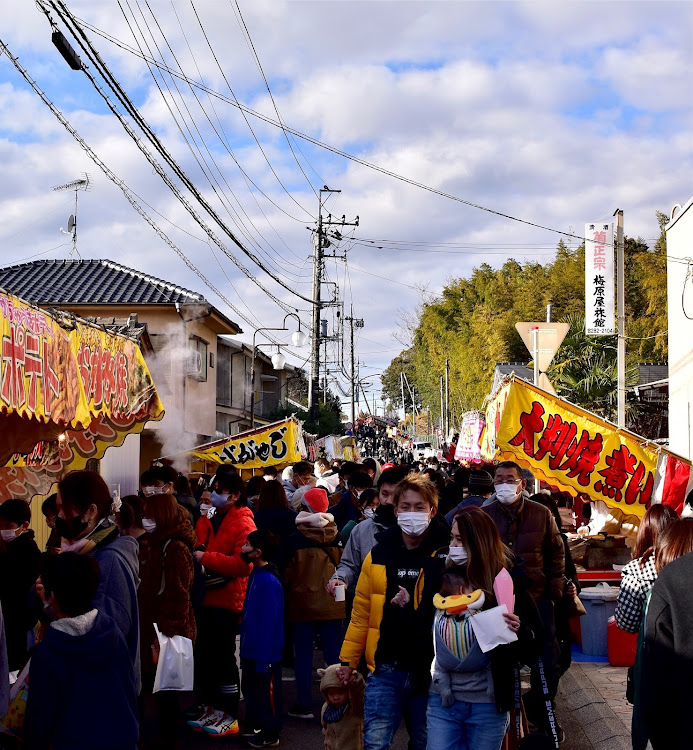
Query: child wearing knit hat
x=342, y=712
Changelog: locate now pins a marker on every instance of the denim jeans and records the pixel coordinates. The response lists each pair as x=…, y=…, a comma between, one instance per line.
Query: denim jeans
x=389, y=699
x=304, y=633
x=465, y=726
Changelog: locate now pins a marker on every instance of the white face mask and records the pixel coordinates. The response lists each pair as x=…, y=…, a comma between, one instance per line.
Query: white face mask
x=369, y=512
x=207, y=510
x=687, y=511
x=148, y=525
x=507, y=493
x=458, y=555
x=149, y=490
x=8, y=535
x=413, y=523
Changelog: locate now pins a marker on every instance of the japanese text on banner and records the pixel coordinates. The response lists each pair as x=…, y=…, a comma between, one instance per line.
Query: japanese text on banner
x=575, y=451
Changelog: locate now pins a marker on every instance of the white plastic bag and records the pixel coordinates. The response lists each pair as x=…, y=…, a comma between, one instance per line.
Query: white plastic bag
x=174, y=670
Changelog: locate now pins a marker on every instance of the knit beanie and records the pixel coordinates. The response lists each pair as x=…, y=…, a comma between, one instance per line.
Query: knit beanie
x=316, y=499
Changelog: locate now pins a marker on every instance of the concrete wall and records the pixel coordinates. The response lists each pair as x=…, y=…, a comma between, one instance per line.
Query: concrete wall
x=680, y=305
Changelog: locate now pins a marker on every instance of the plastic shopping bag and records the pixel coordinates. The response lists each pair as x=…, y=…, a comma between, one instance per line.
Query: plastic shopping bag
x=174, y=670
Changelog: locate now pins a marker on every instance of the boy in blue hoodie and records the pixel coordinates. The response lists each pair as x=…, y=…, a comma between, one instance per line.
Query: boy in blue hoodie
x=82, y=681
x=262, y=643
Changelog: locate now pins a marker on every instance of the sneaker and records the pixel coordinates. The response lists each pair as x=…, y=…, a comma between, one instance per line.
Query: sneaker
x=250, y=734
x=224, y=726
x=264, y=740
x=195, y=712
x=301, y=712
x=210, y=716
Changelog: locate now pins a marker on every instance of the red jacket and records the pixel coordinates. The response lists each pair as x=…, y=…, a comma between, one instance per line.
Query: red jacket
x=223, y=555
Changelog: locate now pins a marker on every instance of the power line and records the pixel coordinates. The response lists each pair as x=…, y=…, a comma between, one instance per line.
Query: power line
x=93, y=55
x=346, y=155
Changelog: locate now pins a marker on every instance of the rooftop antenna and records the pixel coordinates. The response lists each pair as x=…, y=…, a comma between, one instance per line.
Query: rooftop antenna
x=76, y=185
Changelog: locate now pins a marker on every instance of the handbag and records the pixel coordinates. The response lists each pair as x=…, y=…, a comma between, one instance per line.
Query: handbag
x=175, y=668
x=214, y=580
x=574, y=607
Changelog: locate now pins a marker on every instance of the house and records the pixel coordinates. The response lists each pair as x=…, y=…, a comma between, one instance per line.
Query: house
x=182, y=326
x=234, y=368
x=679, y=232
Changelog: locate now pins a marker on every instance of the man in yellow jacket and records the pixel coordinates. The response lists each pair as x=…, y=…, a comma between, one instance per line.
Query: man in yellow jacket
x=393, y=614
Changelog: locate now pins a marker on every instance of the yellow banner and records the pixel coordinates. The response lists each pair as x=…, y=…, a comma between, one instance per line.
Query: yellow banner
x=572, y=448
x=278, y=443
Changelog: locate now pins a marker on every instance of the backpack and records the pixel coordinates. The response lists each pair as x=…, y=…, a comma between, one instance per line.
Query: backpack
x=197, y=588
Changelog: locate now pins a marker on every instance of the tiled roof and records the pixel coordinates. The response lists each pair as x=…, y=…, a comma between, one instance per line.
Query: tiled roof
x=84, y=282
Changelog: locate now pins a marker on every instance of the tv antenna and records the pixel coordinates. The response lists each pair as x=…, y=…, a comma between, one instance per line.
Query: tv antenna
x=76, y=185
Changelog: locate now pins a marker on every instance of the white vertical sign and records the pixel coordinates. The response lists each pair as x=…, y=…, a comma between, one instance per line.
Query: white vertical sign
x=600, y=317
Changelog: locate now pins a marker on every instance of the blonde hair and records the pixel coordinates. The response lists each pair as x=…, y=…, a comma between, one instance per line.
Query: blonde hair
x=420, y=484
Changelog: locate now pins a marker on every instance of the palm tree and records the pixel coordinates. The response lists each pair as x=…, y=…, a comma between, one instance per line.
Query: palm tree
x=584, y=372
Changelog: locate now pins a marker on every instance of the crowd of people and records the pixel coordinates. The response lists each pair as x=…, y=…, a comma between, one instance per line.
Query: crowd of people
x=389, y=571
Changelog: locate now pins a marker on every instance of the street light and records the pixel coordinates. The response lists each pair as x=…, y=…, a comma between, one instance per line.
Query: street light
x=298, y=338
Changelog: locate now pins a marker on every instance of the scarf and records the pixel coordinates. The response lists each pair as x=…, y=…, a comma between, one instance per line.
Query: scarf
x=333, y=714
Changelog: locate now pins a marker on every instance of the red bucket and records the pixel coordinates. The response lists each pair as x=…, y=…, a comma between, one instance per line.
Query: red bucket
x=621, y=645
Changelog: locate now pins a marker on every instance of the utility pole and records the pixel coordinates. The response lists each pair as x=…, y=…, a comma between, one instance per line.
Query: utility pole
x=321, y=242
x=441, y=424
x=404, y=403
x=353, y=323
x=447, y=398
x=620, y=320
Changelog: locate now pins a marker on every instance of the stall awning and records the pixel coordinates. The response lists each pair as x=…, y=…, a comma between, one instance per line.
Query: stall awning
x=68, y=391
x=575, y=450
x=270, y=445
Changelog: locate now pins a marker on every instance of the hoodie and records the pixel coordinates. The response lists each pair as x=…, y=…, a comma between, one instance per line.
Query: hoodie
x=83, y=693
x=117, y=593
x=361, y=541
x=345, y=732
x=310, y=557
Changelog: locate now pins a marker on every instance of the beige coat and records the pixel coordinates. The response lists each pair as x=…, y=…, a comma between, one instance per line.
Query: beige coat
x=347, y=733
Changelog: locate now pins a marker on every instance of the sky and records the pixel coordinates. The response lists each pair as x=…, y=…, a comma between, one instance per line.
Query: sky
x=553, y=113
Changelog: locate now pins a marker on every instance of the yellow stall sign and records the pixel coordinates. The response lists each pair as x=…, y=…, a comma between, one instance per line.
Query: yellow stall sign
x=572, y=448
x=278, y=443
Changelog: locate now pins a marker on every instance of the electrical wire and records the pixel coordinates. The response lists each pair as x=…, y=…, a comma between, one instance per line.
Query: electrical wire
x=249, y=41
x=351, y=157
x=93, y=55
x=210, y=178
x=129, y=195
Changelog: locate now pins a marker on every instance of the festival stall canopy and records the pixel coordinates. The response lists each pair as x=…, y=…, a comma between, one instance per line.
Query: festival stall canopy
x=577, y=451
x=274, y=444
x=68, y=390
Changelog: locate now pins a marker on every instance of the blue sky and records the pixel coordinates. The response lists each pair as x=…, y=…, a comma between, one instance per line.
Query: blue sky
x=553, y=112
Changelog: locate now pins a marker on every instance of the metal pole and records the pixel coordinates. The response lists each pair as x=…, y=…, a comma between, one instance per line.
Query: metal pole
x=447, y=398
x=442, y=417
x=549, y=310
x=353, y=369
x=314, y=382
x=620, y=320
x=535, y=353
x=252, y=386
x=404, y=403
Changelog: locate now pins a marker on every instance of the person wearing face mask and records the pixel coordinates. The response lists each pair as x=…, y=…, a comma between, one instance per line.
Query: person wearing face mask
x=301, y=475
x=349, y=508
x=262, y=641
x=368, y=503
x=472, y=692
x=165, y=479
x=363, y=536
x=530, y=532
x=129, y=517
x=327, y=477
x=217, y=678
x=166, y=565
x=84, y=504
x=393, y=614
x=20, y=563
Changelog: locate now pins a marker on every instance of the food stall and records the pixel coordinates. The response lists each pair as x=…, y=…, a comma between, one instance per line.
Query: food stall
x=576, y=451
x=68, y=390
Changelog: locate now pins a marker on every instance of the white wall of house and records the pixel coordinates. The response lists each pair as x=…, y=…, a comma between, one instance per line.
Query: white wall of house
x=679, y=233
